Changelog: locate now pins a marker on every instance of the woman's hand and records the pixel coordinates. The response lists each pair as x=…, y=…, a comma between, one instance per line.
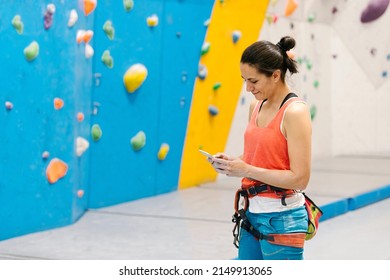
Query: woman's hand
x=229, y=166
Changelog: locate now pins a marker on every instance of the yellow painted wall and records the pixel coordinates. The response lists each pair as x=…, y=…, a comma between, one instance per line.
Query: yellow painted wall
x=222, y=61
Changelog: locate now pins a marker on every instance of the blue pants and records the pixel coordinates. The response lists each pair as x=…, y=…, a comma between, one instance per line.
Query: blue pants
x=290, y=221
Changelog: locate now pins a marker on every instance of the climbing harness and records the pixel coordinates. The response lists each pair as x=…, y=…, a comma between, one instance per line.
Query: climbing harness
x=241, y=220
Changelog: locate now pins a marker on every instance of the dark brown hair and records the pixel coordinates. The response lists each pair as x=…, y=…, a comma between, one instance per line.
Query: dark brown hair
x=267, y=57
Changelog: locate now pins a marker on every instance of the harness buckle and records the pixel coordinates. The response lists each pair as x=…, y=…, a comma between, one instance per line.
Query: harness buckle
x=252, y=191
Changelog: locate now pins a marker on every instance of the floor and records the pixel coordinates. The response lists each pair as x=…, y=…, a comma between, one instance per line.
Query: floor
x=195, y=224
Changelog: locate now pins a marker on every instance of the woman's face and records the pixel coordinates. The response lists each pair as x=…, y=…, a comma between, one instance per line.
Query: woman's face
x=258, y=84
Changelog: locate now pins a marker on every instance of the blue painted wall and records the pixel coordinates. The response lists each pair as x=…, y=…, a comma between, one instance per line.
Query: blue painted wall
x=109, y=172
x=28, y=202
x=160, y=108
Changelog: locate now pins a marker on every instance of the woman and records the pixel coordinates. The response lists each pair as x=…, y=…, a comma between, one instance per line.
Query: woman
x=277, y=153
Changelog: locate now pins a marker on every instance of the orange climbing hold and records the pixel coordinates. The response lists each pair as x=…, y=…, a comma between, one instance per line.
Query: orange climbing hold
x=89, y=6
x=56, y=170
x=80, y=116
x=58, y=103
x=291, y=5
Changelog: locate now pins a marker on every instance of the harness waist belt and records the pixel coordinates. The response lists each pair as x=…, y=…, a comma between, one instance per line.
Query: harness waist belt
x=266, y=190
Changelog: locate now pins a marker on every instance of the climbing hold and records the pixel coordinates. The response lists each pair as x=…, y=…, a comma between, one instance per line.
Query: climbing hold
x=73, y=17
x=45, y=155
x=184, y=76
x=334, y=10
x=58, y=103
x=205, y=48
x=384, y=74
x=56, y=170
x=313, y=112
x=96, y=132
x=80, y=193
x=316, y=84
x=291, y=54
x=269, y=19
x=291, y=6
x=84, y=36
x=213, y=110
x=88, y=51
x=309, y=65
x=80, y=116
x=109, y=29
x=48, y=17
x=9, y=105
x=163, y=152
x=217, y=85
x=373, y=51
x=152, y=20
x=202, y=72
x=89, y=6
x=31, y=51
x=134, y=77
x=182, y=101
x=107, y=59
x=138, y=141
x=236, y=35
x=17, y=24
x=128, y=5
x=374, y=10
x=96, y=106
x=311, y=17
x=81, y=146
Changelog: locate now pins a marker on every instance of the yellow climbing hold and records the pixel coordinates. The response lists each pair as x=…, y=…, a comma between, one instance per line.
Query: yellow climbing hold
x=163, y=152
x=152, y=20
x=134, y=77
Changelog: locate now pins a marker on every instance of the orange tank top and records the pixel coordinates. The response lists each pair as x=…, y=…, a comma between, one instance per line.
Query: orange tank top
x=266, y=147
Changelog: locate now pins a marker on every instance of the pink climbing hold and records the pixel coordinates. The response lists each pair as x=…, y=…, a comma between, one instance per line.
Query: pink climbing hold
x=374, y=10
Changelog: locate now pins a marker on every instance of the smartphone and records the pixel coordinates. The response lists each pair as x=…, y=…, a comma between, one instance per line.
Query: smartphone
x=206, y=153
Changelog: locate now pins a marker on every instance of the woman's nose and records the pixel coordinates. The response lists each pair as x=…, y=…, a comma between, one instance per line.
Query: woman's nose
x=249, y=87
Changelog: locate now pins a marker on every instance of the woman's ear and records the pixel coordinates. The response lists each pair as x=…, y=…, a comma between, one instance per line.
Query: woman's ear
x=276, y=75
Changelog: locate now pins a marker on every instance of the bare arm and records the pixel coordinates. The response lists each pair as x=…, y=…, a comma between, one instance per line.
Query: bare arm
x=297, y=129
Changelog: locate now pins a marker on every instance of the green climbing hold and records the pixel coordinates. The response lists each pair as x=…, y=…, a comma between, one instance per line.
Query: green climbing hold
x=313, y=112
x=316, y=84
x=217, y=86
x=17, y=24
x=107, y=59
x=96, y=132
x=138, y=141
x=109, y=29
x=205, y=48
x=31, y=51
x=311, y=18
x=309, y=65
x=128, y=5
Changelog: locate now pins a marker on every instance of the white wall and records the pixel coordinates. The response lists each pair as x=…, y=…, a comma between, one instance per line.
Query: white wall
x=353, y=98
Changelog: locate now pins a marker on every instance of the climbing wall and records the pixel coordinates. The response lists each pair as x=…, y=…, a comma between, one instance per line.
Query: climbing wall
x=344, y=62
x=217, y=88
x=96, y=101
x=143, y=130
x=45, y=90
